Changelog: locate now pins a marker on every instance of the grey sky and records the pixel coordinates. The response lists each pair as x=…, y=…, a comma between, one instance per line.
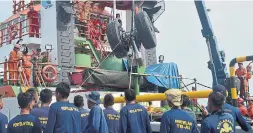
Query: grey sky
x=181, y=41
x=180, y=38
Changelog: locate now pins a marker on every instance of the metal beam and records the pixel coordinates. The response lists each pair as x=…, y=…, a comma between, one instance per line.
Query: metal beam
x=162, y=96
x=218, y=68
x=233, y=77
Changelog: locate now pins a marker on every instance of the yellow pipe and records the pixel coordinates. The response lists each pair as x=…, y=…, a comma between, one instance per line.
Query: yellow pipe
x=234, y=93
x=162, y=96
x=241, y=59
x=232, y=71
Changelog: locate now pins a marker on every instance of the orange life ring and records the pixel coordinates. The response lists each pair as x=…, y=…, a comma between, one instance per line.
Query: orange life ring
x=52, y=70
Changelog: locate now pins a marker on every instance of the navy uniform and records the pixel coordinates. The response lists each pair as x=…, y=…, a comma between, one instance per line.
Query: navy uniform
x=96, y=118
x=84, y=118
x=235, y=112
x=112, y=120
x=177, y=121
x=24, y=124
x=63, y=117
x=42, y=114
x=134, y=118
x=218, y=122
x=3, y=123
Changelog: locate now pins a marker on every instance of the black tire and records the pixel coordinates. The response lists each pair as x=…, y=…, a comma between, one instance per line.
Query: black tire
x=145, y=30
x=114, y=39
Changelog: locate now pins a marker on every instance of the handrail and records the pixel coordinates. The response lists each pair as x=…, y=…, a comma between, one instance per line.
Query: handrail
x=20, y=29
x=18, y=77
x=233, y=77
x=89, y=26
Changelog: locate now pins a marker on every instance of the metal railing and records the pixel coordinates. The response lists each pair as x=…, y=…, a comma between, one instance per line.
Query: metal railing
x=17, y=73
x=92, y=25
x=18, y=28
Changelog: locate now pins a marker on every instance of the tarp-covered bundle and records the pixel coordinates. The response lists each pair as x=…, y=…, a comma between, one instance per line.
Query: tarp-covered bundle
x=107, y=78
x=119, y=79
x=165, y=69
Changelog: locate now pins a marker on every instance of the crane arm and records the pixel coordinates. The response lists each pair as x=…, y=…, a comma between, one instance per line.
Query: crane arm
x=217, y=58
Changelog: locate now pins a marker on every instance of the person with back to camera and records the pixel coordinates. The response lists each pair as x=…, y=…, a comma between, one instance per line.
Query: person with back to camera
x=78, y=102
x=219, y=121
x=235, y=112
x=3, y=117
x=134, y=117
x=111, y=115
x=42, y=112
x=25, y=122
x=96, y=119
x=63, y=117
x=35, y=94
x=177, y=120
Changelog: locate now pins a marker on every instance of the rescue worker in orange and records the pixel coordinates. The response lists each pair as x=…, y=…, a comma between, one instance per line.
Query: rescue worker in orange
x=33, y=16
x=15, y=56
x=250, y=107
x=241, y=107
x=27, y=65
x=241, y=73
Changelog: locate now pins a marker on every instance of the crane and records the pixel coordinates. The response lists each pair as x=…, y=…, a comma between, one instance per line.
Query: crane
x=217, y=58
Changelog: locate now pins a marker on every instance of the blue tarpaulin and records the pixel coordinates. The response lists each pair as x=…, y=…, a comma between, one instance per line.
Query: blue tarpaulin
x=46, y=3
x=166, y=69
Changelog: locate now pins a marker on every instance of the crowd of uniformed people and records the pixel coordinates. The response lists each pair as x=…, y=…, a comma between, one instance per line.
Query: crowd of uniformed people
x=38, y=115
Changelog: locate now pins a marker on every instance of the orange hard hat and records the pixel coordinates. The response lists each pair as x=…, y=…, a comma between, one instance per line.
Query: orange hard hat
x=17, y=46
x=240, y=100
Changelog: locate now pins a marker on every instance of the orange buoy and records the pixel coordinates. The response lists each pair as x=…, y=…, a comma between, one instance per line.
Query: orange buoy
x=46, y=76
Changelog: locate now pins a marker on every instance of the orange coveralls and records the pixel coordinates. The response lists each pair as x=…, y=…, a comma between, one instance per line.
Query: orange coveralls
x=13, y=65
x=250, y=111
x=27, y=65
x=242, y=72
x=243, y=110
x=33, y=23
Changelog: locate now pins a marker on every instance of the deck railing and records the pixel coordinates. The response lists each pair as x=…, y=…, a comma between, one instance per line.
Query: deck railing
x=17, y=29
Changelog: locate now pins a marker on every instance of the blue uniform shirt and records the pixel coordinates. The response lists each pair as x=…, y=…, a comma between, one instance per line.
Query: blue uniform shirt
x=84, y=118
x=218, y=122
x=42, y=114
x=96, y=121
x=134, y=119
x=24, y=124
x=112, y=120
x=177, y=121
x=3, y=123
x=238, y=117
x=63, y=117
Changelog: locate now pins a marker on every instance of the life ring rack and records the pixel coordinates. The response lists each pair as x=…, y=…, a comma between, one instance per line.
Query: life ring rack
x=45, y=73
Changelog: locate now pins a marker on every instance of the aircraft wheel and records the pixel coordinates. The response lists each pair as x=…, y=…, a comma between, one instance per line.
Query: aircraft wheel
x=114, y=38
x=145, y=30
